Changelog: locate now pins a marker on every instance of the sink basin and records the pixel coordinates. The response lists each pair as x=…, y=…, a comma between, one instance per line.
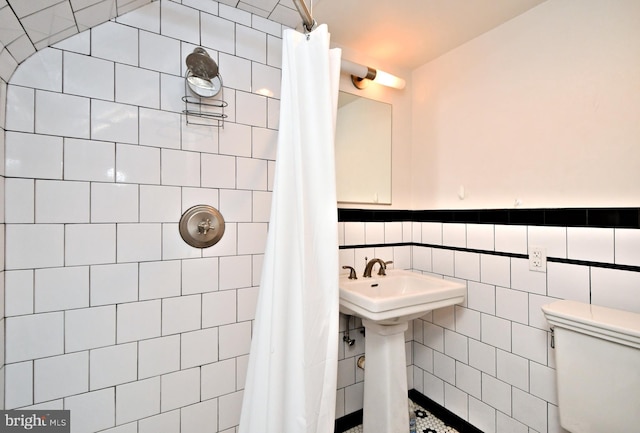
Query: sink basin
x=399, y=296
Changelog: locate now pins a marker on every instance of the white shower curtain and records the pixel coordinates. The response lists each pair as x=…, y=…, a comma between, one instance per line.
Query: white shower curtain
x=292, y=372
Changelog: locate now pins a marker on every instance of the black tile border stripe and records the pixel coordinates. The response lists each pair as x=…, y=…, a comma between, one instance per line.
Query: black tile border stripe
x=442, y=247
x=348, y=422
x=628, y=217
x=449, y=418
x=445, y=415
x=397, y=244
x=594, y=264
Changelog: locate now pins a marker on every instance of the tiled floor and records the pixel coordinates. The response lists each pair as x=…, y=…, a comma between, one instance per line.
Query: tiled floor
x=425, y=422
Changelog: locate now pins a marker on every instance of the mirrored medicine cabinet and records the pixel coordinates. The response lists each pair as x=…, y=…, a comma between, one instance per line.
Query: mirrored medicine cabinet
x=363, y=150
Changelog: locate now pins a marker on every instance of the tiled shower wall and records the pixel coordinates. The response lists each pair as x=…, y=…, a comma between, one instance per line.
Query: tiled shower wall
x=108, y=312
x=489, y=360
x=3, y=100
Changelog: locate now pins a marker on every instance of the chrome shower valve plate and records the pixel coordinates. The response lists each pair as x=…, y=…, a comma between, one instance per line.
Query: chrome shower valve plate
x=201, y=226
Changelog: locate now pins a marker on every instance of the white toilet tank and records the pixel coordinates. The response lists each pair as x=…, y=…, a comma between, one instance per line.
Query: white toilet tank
x=597, y=367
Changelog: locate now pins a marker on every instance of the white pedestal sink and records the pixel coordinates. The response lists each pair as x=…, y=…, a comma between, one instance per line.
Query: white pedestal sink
x=386, y=304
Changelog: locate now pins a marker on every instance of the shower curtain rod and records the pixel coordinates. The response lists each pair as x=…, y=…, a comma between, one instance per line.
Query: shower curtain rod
x=358, y=72
x=305, y=14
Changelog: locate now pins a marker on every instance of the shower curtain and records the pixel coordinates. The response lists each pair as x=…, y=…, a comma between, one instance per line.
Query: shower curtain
x=292, y=372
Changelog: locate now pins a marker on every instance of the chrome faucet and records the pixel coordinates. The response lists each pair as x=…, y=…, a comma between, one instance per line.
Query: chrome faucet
x=369, y=267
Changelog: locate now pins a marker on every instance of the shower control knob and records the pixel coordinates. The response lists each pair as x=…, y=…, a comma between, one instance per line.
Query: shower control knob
x=205, y=226
x=201, y=226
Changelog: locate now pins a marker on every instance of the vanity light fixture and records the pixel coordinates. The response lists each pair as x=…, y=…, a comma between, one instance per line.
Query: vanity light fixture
x=203, y=78
x=362, y=75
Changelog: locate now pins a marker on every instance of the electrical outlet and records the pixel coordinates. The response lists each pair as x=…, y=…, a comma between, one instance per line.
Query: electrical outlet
x=537, y=259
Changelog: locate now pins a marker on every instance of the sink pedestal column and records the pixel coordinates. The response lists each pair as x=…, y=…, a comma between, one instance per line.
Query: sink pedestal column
x=385, y=379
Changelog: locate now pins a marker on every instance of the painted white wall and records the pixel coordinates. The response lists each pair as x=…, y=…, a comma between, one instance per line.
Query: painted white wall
x=544, y=109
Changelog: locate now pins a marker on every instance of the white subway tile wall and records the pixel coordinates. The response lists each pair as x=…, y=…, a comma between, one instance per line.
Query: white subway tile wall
x=374, y=233
x=627, y=247
x=489, y=360
x=60, y=376
x=33, y=156
x=454, y=235
x=20, y=115
x=615, y=288
x=511, y=239
x=88, y=160
x=481, y=237
x=19, y=384
x=113, y=365
x=553, y=239
x=592, y=244
x=109, y=312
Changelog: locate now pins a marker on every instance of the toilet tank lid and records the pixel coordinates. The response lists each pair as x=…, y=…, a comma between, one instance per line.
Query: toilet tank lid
x=587, y=315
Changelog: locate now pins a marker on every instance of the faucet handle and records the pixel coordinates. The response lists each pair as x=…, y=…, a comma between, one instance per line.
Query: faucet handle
x=352, y=272
x=383, y=269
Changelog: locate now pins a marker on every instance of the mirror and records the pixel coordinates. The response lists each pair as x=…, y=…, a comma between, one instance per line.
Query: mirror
x=363, y=150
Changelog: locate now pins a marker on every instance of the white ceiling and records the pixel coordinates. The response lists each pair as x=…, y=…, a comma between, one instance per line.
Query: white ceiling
x=409, y=33
x=406, y=33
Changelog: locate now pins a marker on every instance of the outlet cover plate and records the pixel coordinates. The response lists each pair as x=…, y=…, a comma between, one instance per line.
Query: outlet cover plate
x=538, y=259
